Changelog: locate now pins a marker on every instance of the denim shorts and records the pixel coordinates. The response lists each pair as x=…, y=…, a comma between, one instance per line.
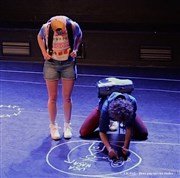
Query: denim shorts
x=55, y=70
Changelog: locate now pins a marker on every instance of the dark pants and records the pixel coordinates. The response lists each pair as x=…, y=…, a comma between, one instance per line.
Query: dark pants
x=140, y=131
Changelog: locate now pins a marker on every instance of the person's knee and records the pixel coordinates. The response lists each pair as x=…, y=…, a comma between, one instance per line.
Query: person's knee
x=83, y=132
x=52, y=100
x=140, y=136
x=144, y=136
x=67, y=99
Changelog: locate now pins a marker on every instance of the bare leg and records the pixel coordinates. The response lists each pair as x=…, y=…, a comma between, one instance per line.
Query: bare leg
x=52, y=87
x=67, y=87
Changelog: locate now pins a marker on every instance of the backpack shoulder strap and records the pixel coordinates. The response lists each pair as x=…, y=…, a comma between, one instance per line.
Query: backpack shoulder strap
x=70, y=34
x=50, y=39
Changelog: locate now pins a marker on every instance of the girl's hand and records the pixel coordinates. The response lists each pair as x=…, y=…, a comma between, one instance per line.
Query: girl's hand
x=73, y=53
x=113, y=154
x=126, y=153
x=46, y=56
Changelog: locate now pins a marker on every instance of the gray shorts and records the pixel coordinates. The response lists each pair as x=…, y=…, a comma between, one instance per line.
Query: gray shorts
x=54, y=70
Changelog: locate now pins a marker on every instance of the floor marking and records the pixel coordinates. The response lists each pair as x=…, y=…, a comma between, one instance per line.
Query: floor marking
x=84, y=164
x=13, y=109
x=155, y=143
x=21, y=81
x=94, y=75
x=88, y=86
x=130, y=77
x=158, y=90
x=21, y=71
x=163, y=123
x=152, y=143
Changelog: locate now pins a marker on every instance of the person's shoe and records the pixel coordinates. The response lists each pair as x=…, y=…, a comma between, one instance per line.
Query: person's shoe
x=54, y=130
x=67, y=131
x=113, y=126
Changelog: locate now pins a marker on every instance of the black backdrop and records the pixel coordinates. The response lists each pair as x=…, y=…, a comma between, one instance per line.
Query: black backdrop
x=115, y=32
x=162, y=15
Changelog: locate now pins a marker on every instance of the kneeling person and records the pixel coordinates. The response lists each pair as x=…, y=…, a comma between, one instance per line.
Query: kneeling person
x=117, y=107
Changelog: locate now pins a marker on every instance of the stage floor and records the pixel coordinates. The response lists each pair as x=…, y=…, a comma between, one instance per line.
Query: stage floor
x=27, y=151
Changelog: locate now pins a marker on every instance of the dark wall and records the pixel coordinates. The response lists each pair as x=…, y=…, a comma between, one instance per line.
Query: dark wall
x=114, y=31
x=129, y=13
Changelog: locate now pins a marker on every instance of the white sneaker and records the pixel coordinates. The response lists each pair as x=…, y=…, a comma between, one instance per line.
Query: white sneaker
x=54, y=130
x=67, y=131
x=113, y=126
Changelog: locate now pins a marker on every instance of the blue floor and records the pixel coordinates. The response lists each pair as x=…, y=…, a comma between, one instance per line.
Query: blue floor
x=27, y=150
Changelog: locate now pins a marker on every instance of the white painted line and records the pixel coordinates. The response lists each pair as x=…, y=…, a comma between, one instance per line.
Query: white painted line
x=88, y=86
x=156, y=143
x=85, y=142
x=96, y=75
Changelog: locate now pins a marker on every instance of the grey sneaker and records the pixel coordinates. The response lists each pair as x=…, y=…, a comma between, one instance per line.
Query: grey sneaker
x=67, y=131
x=54, y=130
